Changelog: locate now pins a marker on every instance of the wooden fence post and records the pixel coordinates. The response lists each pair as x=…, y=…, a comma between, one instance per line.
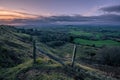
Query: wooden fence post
x=34, y=51
x=74, y=55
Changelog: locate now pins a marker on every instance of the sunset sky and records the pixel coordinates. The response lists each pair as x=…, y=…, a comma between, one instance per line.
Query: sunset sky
x=58, y=11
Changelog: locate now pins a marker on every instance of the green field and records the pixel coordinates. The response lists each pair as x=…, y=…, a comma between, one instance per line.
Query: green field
x=81, y=33
x=97, y=43
x=96, y=35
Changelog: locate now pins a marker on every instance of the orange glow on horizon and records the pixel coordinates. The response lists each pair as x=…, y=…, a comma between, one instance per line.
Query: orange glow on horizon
x=11, y=15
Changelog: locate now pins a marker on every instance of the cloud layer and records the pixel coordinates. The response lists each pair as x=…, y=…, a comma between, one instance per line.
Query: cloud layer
x=115, y=8
x=103, y=19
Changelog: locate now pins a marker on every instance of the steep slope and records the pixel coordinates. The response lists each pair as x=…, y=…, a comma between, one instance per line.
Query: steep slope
x=15, y=47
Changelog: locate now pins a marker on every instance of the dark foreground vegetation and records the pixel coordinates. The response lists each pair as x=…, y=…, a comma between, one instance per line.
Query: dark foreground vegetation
x=97, y=55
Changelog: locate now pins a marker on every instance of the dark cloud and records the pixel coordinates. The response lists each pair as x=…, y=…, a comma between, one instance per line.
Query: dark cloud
x=76, y=19
x=115, y=8
x=65, y=18
x=52, y=20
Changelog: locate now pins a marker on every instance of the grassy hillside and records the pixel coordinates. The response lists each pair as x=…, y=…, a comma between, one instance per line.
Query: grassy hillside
x=15, y=47
x=45, y=69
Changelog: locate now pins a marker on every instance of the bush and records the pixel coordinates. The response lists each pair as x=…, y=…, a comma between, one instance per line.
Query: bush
x=110, y=56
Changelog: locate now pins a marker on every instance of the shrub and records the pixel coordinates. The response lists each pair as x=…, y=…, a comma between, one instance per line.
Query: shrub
x=110, y=56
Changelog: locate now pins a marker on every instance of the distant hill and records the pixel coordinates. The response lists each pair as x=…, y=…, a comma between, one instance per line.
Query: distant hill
x=15, y=47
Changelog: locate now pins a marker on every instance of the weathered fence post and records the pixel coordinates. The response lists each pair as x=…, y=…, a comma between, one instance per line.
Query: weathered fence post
x=34, y=51
x=74, y=55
